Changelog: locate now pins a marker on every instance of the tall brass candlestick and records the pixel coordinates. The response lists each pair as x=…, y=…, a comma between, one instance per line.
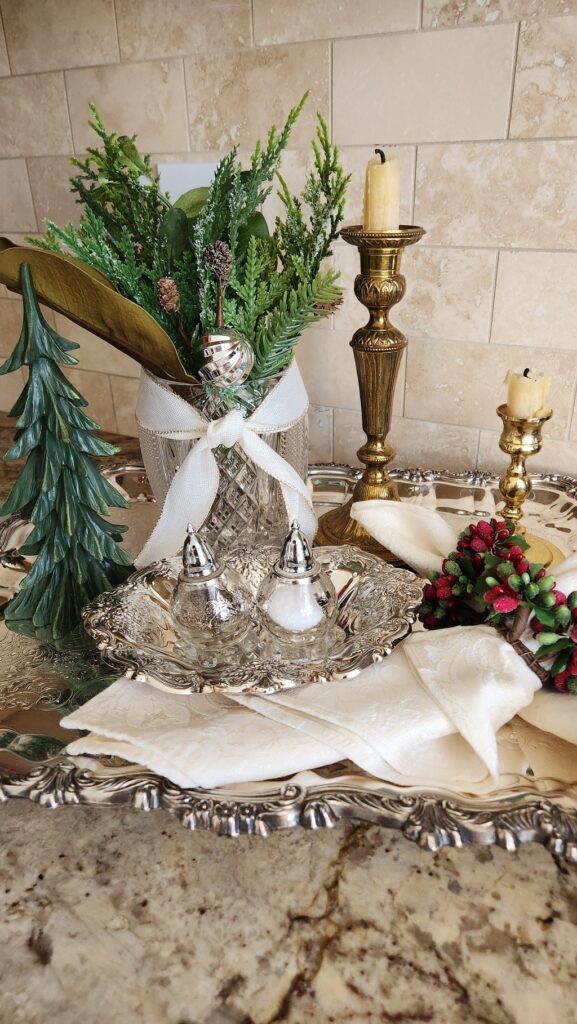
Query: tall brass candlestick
x=378, y=349
x=520, y=438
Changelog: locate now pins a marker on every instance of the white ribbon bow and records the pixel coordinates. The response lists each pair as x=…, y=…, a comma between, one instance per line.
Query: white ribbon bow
x=195, y=484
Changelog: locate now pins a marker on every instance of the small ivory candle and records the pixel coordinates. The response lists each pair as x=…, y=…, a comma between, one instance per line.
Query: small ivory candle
x=294, y=608
x=382, y=193
x=528, y=394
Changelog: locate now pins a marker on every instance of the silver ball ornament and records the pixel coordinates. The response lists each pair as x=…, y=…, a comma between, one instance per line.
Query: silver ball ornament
x=228, y=358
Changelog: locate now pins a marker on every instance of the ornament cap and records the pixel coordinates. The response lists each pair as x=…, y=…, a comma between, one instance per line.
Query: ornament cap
x=296, y=557
x=198, y=559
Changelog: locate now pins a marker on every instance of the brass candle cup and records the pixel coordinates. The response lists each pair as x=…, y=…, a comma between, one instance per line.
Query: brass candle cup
x=378, y=349
x=520, y=438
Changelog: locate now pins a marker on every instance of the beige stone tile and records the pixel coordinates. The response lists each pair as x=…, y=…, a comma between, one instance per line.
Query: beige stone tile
x=347, y=436
x=511, y=194
x=376, y=89
x=33, y=116
x=50, y=184
x=146, y=99
x=95, y=354
x=16, y=206
x=536, y=299
x=46, y=35
x=256, y=88
x=449, y=292
x=320, y=434
x=555, y=456
x=10, y=325
x=327, y=364
x=416, y=443
x=4, y=63
x=444, y=13
x=354, y=160
x=177, y=28
x=330, y=19
x=10, y=387
x=125, y=390
x=95, y=388
x=433, y=445
x=452, y=382
x=546, y=79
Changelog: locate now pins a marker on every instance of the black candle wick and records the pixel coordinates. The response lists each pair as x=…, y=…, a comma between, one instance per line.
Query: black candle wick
x=526, y=372
x=381, y=153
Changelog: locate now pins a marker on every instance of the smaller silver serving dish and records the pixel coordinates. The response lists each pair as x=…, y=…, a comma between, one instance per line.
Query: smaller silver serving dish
x=134, y=629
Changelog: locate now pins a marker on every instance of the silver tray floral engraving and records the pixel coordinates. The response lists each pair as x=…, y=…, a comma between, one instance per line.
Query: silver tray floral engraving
x=134, y=629
x=38, y=686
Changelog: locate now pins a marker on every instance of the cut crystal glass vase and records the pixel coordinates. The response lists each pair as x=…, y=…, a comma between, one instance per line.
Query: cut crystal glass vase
x=249, y=506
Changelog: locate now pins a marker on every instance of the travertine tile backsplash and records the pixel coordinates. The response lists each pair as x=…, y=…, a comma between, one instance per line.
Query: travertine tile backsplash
x=478, y=98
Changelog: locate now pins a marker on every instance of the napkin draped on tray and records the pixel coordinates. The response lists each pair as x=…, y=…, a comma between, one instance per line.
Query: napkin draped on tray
x=433, y=713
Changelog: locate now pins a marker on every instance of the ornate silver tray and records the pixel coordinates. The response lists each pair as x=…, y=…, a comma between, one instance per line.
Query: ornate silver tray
x=38, y=686
x=134, y=630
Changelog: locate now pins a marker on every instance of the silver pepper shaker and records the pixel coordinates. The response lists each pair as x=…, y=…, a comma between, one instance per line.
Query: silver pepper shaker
x=211, y=603
x=297, y=600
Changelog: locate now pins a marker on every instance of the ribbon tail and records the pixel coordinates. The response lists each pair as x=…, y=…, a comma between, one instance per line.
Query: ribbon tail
x=189, y=500
x=295, y=493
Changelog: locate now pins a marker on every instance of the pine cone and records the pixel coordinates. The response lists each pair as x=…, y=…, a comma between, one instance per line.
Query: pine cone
x=167, y=295
x=326, y=308
x=218, y=256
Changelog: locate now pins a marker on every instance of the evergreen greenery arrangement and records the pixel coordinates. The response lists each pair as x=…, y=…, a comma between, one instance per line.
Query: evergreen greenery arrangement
x=60, y=489
x=153, y=251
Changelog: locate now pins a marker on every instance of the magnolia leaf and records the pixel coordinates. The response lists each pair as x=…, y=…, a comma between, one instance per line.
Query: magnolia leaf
x=174, y=231
x=6, y=243
x=79, y=292
x=256, y=226
x=192, y=202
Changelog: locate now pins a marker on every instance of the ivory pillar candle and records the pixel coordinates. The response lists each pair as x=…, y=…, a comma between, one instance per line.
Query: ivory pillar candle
x=382, y=193
x=528, y=394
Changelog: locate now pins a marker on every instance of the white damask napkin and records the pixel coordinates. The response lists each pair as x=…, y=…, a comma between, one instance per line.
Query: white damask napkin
x=428, y=714
x=422, y=538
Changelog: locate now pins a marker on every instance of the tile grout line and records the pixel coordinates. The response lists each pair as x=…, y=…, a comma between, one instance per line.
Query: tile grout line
x=36, y=217
x=573, y=416
x=421, y=14
x=68, y=114
x=414, y=189
x=3, y=30
x=331, y=91
x=478, y=448
x=251, y=19
x=187, y=120
x=533, y=140
x=117, y=32
x=493, y=296
x=513, y=78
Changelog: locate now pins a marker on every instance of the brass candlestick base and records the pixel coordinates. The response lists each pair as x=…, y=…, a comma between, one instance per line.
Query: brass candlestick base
x=378, y=349
x=519, y=439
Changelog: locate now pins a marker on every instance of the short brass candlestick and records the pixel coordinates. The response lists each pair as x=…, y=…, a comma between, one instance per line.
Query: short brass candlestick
x=378, y=349
x=519, y=439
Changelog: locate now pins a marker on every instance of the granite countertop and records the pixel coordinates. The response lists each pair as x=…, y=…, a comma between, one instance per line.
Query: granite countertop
x=109, y=914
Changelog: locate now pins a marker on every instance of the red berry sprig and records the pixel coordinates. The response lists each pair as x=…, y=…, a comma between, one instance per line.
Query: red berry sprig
x=489, y=579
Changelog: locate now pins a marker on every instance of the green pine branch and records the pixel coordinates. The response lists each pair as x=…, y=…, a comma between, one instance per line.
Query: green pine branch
x=130, y=232
x=296, y=310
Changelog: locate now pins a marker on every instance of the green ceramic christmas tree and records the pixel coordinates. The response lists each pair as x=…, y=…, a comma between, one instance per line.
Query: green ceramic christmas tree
x=60, y=489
